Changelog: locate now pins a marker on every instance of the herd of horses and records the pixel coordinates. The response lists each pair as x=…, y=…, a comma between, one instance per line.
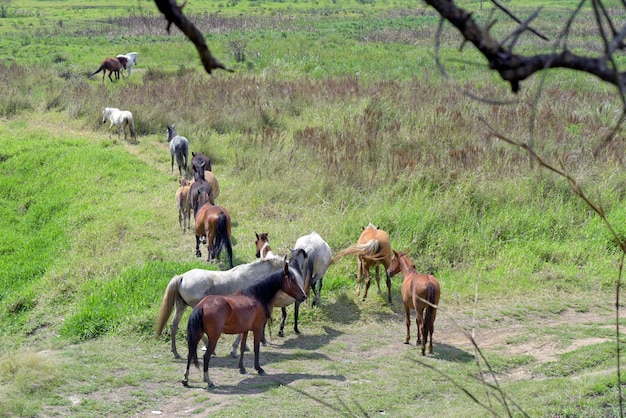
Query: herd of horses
x=241, y=299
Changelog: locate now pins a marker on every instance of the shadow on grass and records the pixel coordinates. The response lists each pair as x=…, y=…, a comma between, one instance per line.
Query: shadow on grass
x=450, y=353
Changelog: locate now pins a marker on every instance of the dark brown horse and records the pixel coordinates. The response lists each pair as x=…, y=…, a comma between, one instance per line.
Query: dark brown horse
x=113, y=65
x=372, y=249
x=213, y=222
x=247, y=310
x=420, y=292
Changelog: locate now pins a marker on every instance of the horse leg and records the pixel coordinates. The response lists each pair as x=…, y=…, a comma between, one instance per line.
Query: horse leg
x=367, y=282
x=420, y=327
x=407, y=321
x=296, y=310
x=198, y=253
x=242, y=348
x=377, y=268
x=317, y=290
x=388, y=280
x=207, y=359
x=172, y=163
x=281, y=332
x=257, y=346
x=110, y=126
x=359, y=275
x=179, y=308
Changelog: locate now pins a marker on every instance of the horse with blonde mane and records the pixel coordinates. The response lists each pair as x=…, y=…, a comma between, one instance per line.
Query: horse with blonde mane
x=120, y=119
x=372, y=249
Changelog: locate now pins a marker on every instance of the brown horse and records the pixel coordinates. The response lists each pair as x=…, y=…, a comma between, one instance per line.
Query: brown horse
x=420, y=292
x=247, y=310
x=113, y=65
x=262, y=244
x=372, y=249
x=213, y=222
x=183, y=204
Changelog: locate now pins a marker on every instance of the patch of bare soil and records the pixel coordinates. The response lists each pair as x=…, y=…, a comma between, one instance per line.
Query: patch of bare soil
x=451, y=342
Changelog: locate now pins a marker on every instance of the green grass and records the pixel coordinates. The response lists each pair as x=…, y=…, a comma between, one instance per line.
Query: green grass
x=337, y=118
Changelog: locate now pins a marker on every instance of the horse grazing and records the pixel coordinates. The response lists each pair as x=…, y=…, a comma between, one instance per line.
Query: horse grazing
x=420, y=292
x=372, y=249
x=188, y=288
x=119, y=118
x=319, y=257
x=179, y=148
x=213, y=222
x=248, y=310
x=131, y=60
x=262, y=244
x=183, y=204
x=113, y=66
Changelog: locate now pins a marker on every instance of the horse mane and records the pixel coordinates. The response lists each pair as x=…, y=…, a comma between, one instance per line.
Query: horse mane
x=265, y=290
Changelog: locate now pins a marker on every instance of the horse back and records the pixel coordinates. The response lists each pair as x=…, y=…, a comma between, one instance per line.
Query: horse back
x=385, y=253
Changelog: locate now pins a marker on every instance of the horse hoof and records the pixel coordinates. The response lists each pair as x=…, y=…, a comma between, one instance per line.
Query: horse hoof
x=185, y=383
x=261, y=371
x=281, y=334
x=243, y=371
x=198, y=254
x=407, y=343
x=211, y=385
x=233, y=354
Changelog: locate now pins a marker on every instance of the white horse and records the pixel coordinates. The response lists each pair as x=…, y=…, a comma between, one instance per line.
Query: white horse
x=319, y=257
x=189, y=288
x=119, y=118
x=131, y=58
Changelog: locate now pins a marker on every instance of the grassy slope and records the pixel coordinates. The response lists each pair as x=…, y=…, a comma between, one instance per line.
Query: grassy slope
x=91, y=233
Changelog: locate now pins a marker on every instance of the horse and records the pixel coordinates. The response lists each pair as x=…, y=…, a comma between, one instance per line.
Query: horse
x=179, y=148
x=372, y=249
x=131, y=60
x=319, y=257
x=119, y=118
x=248, y=310
x=420, y=292
x=188, y=288
x=197, y=159
x=183, y=204
x=199, y=185
x=262, y=244
x=113, y=65
x=213, y=222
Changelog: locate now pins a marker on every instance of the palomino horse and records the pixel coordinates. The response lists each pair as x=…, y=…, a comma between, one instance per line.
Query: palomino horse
x=372, y=249
x=179, y=148
x=183, y=204
x=119, y=119
x=188, y=288
x=248, y=310
x=419, y=292
x=213, y=222
x=319, y=257
x=112, y=65
x=131, y=60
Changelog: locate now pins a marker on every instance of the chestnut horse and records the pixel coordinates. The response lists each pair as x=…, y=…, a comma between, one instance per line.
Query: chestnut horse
x=113, y=65
x=213, y=222
x=247, y=310
x=262, y=243
x=372, y=249
x=420, y=292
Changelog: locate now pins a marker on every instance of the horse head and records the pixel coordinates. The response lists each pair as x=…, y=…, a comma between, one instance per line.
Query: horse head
x=291, y=285
x=171, y=133
x=260, y=241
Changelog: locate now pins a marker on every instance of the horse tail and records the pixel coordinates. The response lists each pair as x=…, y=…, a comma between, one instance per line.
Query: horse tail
x=131, y=126
x=102, y=67
x=222, y=238
x=370, y=249
x=194, y=333
x=431, y=311
x=167, y=304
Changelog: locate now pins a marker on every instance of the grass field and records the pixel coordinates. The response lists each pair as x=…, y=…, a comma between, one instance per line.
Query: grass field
x=336, y=116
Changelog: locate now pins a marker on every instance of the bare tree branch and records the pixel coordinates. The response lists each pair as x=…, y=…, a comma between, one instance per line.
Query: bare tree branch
x=174, y=14
x=515, y=68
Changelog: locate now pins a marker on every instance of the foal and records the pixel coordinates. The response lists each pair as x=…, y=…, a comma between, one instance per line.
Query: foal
x=419, y=292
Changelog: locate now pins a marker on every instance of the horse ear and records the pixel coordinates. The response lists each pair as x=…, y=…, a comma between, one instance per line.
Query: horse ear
x=257, y=235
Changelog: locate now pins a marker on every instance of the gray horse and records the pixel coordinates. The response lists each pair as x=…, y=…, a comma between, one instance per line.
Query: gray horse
x=179, y=148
